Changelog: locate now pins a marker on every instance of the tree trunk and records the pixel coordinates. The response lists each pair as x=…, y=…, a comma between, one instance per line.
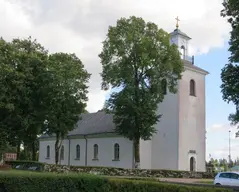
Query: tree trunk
x=33, y=151
x=57, y=149
x=136, y=154
x=137, y=125
x=18, y=150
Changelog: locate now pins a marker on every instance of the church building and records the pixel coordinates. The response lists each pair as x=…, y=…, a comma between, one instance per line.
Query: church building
x=180, y=141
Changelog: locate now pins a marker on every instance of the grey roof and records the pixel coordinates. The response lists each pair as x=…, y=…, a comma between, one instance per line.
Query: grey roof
x=179, y=32
x=189, y=64
x=91, y=123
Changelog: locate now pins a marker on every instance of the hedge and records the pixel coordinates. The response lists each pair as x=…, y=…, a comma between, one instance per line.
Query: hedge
x=39, y=182
x=26, y=165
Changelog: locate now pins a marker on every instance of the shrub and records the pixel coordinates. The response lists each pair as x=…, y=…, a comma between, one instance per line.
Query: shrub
x=38, y=182
x=26, y=165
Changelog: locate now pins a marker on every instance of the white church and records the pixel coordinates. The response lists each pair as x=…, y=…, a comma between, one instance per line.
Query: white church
x=179, y=144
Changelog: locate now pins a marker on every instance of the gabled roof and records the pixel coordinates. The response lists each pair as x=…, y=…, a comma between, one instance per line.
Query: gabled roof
x=179, y=32
x=91, y=123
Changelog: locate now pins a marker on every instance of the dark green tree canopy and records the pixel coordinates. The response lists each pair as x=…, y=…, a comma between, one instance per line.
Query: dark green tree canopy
x=230, y=72
x=231, y=12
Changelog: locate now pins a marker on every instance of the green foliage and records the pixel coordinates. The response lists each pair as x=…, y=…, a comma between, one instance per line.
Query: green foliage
x=230, y=73
x=230, y=88
x=66, y=98
x=34, y=182
x=137, y=57
x=40, y=93
x=231, y=12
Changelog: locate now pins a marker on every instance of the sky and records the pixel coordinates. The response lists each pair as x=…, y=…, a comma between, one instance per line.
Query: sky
x=80, y=26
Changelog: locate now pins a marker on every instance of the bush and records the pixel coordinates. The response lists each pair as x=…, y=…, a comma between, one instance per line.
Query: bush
x=38, y=182
x=26, y=165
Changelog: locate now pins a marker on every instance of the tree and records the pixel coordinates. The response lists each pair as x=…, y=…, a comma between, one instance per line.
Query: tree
x=66, y=89
x=6, y=99
x=30, y=66
x=230, y=72
x=138, y=59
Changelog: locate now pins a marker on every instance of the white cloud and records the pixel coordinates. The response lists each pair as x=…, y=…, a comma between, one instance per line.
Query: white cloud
x=81, y=26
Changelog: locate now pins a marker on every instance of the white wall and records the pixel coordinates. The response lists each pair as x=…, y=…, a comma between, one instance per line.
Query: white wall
x=105, y=152
x=145, y=154
x=165, y=142
x=43, y=152
x=192, y=121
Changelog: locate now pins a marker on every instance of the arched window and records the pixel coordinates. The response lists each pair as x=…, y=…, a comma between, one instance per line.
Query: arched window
x=62, y=153
x=192, y=88
x=77, y=151
x=95, y=151
x=48, y=152
x=164, y=86
x=183, y=52
x=116, y=151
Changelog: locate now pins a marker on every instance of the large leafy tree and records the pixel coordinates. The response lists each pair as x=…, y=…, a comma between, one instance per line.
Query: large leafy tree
x=230, y=72
x=6, y=98
x=66, y=89
x=138, y=59
x=22, y=68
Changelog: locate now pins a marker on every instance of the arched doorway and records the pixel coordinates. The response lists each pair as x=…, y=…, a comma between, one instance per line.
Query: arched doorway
x=192, y=164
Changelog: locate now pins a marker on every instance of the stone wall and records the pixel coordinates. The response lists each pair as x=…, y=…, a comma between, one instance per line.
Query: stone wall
x=110, y=171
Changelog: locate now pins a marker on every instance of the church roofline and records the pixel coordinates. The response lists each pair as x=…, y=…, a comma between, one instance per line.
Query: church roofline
x=179, y=32
x=188, y=65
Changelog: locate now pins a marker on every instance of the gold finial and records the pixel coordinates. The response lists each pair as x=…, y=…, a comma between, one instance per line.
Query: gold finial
x=177, y=19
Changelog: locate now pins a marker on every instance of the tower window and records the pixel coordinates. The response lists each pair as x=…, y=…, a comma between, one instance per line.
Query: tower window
x=183, y=52
x=192, y=88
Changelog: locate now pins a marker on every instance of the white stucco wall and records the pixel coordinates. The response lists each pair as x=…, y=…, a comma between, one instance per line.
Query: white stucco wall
x=165, y=142
x=105, y=151
x=145, y=154
x=43, y=151
x=192, y=121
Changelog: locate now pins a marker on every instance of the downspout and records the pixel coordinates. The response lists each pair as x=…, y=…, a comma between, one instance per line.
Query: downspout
x=86, y=149
x=69, y=152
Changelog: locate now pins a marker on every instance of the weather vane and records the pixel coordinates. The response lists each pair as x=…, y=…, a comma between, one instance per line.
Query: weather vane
x=177, y=19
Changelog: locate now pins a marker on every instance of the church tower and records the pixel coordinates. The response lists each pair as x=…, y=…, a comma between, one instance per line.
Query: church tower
x=180, y=142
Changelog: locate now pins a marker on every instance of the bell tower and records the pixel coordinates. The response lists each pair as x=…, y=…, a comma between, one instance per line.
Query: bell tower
x=181, y=40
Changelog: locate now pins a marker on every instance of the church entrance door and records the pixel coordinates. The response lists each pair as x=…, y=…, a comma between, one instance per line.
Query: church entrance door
x=192, y=164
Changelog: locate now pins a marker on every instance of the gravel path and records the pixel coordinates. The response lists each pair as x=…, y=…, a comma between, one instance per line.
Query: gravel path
x=181, y=180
